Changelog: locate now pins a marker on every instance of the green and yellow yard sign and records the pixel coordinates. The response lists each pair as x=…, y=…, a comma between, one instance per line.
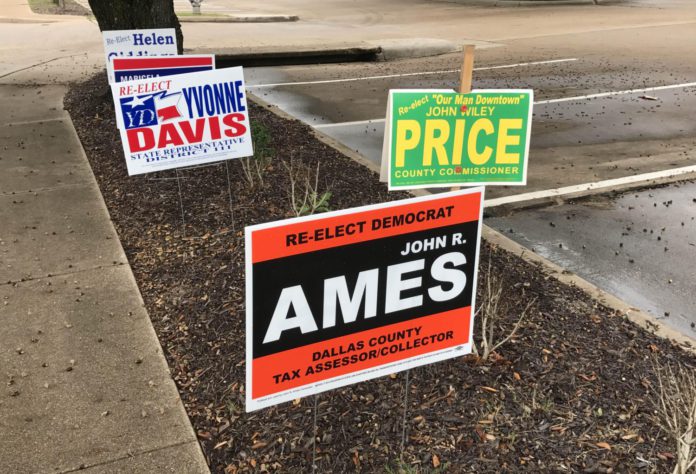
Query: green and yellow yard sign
x=436, y=138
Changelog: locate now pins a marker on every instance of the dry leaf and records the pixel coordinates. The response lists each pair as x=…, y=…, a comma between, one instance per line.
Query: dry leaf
x=629, y=436
x=603, y=445
x=489, y=389
x=231, y=469
x=588, y=378
x=516, y=376
x=436, y=460
x=356, y=459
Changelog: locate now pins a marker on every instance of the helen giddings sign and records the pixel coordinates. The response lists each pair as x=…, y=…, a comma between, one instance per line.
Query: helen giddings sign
x=136, y=43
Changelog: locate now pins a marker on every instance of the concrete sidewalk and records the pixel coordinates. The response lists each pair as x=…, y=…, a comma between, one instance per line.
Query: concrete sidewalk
x=85, y=383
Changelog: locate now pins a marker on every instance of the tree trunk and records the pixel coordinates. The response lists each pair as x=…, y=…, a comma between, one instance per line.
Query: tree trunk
x=137, y=14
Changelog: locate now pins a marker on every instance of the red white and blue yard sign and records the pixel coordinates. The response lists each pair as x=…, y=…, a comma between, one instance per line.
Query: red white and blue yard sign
x=183, y=120
x=132, y=69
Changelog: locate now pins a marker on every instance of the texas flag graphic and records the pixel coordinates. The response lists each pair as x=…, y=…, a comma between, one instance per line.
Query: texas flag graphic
x=150, y=109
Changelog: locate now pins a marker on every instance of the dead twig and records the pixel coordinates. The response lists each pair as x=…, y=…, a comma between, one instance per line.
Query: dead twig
x=675, y=404
x=490, y=311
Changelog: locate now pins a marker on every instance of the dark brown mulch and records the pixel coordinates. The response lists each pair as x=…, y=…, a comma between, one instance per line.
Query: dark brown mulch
x=570, y=393
x=50, y=7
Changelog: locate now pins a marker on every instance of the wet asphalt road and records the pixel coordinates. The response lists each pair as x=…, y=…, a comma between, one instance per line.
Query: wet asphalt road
x=640, y=246
x=575, y=141
x=572, y=143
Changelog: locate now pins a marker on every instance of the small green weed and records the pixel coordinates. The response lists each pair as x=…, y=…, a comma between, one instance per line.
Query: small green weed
x=254, y=167
x=305, y=197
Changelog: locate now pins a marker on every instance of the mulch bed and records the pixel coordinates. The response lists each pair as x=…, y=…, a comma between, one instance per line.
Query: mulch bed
x=572, y=392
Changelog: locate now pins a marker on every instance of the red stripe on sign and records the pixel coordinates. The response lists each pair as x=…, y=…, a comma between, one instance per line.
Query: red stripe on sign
x=160, y=62
x=323, y=233
x=274, y=373
x=168, y=113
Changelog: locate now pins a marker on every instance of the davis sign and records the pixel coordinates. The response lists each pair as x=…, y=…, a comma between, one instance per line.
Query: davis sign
x=182, y=120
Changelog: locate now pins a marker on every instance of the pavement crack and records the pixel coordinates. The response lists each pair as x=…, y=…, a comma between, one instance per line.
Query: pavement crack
x=41, y=64
x=41, y=190
x=40, y=121
x=54, y=275
x=84, y=467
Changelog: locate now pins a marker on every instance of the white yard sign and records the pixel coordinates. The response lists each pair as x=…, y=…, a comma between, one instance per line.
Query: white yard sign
x=183, y=120
x=136, y=43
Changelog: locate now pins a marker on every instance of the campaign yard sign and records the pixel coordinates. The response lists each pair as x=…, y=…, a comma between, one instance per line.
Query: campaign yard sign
x=444, y=139
x=347, y=296
x=136, y=43
x=132, y=69
x=183, y=120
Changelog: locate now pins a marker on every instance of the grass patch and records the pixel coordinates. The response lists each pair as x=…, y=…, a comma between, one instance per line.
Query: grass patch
x=52, y=7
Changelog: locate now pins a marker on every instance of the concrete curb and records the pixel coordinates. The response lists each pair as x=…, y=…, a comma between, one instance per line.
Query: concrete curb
x=498, y=207
x=635, y=315
x=415, y=48
x=238, y=18
x=405, y=48
x=220, y=18
x=378, y=50
x=333, y=143
x=273, y=56
x=534, y=3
